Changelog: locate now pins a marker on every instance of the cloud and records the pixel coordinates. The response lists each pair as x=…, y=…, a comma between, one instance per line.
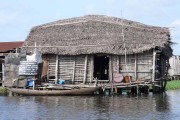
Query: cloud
x=176, y=23
x=7, y=18
x=90, y=9
x=110, y=2
x=176, y=36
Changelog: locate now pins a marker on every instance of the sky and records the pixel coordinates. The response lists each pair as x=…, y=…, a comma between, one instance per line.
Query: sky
x=17, y=17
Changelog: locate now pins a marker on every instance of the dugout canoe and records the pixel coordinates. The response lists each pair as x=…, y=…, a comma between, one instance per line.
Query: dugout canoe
x=77, y=91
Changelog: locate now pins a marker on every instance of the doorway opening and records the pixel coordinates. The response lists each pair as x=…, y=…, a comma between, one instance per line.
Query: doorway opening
x=101, y=67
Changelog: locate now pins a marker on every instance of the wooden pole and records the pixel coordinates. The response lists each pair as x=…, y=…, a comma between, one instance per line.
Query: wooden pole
x=117, y=64
x=57, y=70
x=74, y=69
x=135, y=71
x=92, y=68
x=154, y=66
x=48, y=67
x=85, y=69
x=137, y=89
x=111, y=74
x=110, y=69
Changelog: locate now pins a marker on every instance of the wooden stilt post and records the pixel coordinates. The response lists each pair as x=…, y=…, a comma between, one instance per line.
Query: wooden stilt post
x=48, y=69
x=137, y=89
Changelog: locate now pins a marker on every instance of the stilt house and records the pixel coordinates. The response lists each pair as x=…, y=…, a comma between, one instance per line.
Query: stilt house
x=96, y=47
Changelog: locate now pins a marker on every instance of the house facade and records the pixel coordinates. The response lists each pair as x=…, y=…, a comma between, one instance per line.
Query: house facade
x=96, y=47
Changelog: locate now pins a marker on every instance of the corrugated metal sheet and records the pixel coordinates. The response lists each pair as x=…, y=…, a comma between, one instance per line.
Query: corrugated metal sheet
x=6, y=46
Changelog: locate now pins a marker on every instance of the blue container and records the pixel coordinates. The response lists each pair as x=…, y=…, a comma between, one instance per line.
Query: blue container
x=30, y=83
x=61, y=82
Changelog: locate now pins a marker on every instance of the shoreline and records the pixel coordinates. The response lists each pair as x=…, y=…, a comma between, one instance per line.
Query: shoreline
x=173, y=85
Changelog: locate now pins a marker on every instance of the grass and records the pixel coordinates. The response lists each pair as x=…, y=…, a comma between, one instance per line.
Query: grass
x=3, y=90
x=172, y=85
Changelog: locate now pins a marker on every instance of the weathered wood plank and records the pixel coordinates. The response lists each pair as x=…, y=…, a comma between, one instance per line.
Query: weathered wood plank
x=154, y=66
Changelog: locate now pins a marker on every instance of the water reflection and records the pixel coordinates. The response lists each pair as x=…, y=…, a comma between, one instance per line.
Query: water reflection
x=162, y=102
x=149, y=107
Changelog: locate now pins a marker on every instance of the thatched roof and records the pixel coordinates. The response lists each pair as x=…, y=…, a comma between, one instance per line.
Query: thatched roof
x=93, y=34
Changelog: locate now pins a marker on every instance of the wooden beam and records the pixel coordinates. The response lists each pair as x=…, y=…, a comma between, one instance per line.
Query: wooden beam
x=85, y=69
x=117, y=66
x=135, y=71
x=110, y=69
x=154, y=66
x=92, y=68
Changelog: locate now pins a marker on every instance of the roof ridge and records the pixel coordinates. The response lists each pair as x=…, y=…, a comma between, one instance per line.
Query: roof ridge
x=99, y=18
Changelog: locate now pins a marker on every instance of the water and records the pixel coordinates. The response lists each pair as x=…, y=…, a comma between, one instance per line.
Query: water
x=151, y=107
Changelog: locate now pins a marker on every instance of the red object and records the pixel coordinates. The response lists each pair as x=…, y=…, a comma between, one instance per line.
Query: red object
x=127, y=79
x=6, y=46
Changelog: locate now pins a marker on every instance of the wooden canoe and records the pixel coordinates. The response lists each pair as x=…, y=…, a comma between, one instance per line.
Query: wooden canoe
x=29, y=92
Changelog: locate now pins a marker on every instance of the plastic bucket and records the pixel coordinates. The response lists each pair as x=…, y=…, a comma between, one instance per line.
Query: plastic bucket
x=30, y=83
x=61, y=82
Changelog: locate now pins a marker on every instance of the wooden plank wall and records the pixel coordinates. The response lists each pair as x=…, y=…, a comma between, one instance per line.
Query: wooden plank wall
x=79, y=68
x=71, y=68
x=127, y=68
x=145, y=66
x=66, y=67
x=139, y=66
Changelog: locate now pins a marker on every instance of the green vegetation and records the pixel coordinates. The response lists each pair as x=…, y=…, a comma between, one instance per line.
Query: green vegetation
x=172, y=85
x=3, y=90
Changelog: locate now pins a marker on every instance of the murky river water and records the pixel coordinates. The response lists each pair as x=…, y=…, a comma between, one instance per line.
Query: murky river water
x=151, y=107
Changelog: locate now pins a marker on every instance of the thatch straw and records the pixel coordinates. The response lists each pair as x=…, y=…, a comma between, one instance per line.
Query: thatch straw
x=97, y=34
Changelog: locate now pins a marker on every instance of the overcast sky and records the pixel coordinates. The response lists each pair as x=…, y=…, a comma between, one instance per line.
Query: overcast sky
x=17, y=17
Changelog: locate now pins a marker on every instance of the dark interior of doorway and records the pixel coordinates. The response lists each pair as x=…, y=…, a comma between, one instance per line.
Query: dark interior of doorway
x=101, y=67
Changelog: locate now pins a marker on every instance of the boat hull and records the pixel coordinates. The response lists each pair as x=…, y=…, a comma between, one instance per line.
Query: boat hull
x=29, y=92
